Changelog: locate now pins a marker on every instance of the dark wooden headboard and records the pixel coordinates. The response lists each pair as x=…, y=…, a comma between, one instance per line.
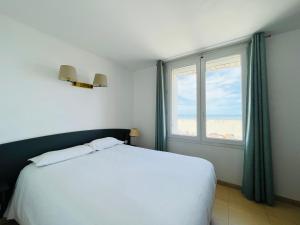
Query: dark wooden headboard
x=14, y=156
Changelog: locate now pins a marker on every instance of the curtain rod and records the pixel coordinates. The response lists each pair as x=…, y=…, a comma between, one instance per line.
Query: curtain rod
x=213, y=47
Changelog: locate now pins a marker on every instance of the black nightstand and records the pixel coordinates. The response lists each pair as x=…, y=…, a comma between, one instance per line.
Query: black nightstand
x=4, y=188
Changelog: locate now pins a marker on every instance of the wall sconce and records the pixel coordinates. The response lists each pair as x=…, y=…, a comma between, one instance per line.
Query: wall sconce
x=68, y=73
x=100, y=80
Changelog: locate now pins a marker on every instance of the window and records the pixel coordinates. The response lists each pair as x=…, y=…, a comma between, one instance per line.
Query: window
x=223, y=98
x=216, y=116
x=184, y=101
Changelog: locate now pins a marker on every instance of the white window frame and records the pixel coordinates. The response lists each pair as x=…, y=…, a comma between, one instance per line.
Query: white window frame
x=241, y=50
x=192, y=60
x=199, y=60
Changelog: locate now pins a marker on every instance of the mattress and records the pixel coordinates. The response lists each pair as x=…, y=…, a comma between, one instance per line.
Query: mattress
x=122, y=185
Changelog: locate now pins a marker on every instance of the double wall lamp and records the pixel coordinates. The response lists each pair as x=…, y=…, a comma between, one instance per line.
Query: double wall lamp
x=68, y=73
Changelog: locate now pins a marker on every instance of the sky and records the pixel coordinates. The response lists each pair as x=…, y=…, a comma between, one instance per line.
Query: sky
x=223, y=94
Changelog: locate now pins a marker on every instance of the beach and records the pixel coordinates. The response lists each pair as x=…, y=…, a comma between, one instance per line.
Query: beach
x=215, y=128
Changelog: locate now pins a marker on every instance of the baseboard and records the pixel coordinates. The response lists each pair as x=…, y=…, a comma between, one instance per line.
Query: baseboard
x=278, y=198
x=224, y=183
x=288, y=200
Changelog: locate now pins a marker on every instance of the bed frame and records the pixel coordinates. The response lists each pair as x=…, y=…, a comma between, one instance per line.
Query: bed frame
x=14, y=156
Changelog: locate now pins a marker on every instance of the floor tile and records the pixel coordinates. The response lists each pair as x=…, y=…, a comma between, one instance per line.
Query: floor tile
x=284, y=211
x=241, y=211
x=220, y=213
x=238, y=201
x=222, y=192
x=242, y=217
x=278, y=221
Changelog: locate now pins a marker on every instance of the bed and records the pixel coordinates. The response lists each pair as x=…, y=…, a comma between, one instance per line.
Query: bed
x=121, y=185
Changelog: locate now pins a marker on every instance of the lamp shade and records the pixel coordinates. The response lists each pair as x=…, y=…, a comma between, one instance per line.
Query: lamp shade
x=67, y=73
x=100, y=80
x=134, y=132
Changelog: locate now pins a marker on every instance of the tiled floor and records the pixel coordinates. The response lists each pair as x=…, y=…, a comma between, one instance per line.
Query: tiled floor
x=231, y=208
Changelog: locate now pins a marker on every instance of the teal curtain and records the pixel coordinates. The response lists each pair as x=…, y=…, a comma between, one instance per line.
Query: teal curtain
x=257, y=176
x=161, y=112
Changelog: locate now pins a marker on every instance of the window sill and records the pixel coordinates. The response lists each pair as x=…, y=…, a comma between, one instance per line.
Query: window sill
x=198, y=141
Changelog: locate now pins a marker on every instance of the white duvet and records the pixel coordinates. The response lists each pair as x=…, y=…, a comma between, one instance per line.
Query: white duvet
x=122, y=185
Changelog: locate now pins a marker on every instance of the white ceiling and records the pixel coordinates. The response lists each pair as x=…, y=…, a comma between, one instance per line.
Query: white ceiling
x=135, y=33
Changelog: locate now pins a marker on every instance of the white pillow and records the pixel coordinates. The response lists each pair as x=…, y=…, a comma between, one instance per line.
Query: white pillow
x=103, y=143
x=52, y=157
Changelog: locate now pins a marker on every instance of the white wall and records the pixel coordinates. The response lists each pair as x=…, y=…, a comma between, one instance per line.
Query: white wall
x=284, y=82
x=34, y=102
x=284, y=94
x=144, y=106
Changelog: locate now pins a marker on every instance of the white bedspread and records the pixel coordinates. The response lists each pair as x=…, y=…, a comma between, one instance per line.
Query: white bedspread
x=123, y=185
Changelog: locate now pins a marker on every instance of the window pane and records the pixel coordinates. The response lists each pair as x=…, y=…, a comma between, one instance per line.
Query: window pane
x=224, y=98
x=184, y=101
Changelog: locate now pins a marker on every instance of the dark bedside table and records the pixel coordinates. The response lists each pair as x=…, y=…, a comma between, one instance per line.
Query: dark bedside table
x=4, y=188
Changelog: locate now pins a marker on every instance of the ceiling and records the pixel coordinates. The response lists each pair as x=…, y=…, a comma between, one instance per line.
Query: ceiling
x=135, y=33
